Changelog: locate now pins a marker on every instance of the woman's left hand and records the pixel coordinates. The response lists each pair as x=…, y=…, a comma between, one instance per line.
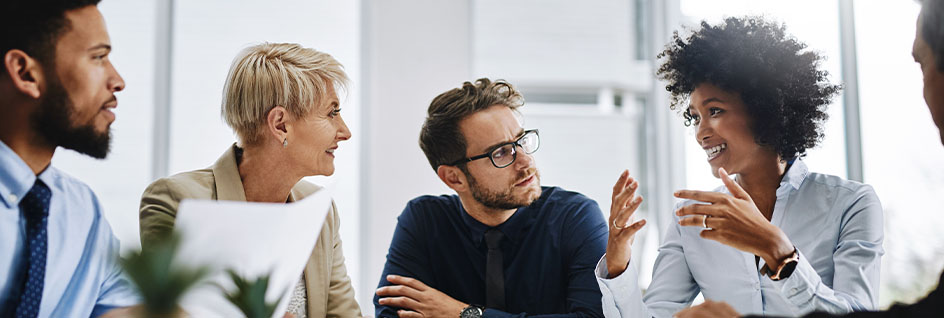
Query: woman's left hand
x=734, y=220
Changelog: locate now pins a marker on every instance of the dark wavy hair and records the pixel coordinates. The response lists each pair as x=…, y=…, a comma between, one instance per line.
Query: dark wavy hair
x=779, y=81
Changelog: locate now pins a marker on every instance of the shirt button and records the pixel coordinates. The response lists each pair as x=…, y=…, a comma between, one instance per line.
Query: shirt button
x=12, y=198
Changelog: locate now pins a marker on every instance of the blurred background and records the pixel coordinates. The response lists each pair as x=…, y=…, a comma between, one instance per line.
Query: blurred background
x=586, y=69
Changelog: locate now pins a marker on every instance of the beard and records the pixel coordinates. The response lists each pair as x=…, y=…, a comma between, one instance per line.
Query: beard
x=53, y=122
x=503, y=199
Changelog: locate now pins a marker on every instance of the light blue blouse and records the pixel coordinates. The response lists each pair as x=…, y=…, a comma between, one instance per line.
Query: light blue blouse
x=835, y=224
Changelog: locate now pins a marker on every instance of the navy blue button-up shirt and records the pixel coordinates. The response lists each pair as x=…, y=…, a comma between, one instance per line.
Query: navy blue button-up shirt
x=549, y=253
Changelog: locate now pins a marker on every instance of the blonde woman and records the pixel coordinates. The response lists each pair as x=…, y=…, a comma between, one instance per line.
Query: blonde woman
x=281, y=102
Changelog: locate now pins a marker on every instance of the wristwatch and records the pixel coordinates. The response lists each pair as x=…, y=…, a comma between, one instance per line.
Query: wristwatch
x=473, y=311
x=784, y=269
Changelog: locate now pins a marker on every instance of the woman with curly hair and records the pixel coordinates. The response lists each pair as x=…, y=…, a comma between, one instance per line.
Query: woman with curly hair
x=777, y=239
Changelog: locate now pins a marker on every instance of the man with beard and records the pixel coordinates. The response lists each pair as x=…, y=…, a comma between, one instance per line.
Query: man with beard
x=928, y=52
x=58, y=256
x=503, y=245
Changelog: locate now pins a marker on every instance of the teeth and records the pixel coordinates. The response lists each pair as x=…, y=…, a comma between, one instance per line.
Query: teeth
x=330, y=150
x=713, y=151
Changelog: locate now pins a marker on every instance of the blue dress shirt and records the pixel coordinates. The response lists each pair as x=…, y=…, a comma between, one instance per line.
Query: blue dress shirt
x=549, y=253
x=83, y=278
x=835, y=224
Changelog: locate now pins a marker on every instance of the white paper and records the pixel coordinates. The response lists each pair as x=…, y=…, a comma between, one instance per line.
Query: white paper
x=251, y=238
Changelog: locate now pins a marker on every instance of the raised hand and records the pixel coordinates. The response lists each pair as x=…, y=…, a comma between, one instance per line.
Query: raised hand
x=622, y=233
x=734, y=220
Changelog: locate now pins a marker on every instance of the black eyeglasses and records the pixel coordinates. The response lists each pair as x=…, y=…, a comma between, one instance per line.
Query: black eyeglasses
x=505, y=154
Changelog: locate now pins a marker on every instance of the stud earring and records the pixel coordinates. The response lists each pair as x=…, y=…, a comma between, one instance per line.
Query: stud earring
x=284, y=142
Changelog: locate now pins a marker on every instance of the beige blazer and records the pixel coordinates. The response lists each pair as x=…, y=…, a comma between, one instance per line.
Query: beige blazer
x=330, y=293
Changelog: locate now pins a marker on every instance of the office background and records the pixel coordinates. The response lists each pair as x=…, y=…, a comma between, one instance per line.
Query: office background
x=586, y=71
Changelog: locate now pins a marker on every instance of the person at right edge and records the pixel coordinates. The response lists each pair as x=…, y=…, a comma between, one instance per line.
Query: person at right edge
x=928, y=52
x=777, y=239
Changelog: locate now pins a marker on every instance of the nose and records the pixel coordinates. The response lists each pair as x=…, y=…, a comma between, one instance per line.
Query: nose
x=115, y=82
x=343, y=132
x=522, y=159
x=702, y=132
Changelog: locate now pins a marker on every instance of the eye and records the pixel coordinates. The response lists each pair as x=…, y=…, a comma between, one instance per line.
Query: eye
x=714, y=111
x=334, y=112
x=500, y=152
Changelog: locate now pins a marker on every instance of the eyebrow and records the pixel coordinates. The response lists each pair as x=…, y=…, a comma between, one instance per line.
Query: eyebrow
x=490, y=148
x=704, y=102
x=101, y=46
x=711, y=99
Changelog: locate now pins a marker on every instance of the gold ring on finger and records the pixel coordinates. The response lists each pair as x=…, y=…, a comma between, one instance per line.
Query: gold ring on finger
x=617, y=226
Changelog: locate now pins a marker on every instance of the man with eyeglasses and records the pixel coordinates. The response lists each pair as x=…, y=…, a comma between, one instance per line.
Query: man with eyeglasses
x=503, y=246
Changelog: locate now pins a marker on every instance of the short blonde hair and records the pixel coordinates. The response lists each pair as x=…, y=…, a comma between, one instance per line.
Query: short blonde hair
x=276, y=74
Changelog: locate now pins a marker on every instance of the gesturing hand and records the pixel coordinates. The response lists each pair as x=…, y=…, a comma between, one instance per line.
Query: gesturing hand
x=734, y=220
x=624, y=204
x=417, y=299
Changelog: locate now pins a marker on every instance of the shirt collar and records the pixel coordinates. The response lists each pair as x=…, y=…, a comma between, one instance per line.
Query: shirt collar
x=795, y=175
x=16, y=177
x=514, y=228
x=229, y=187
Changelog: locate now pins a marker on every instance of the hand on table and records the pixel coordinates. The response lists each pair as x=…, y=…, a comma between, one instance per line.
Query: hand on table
x=417, y=299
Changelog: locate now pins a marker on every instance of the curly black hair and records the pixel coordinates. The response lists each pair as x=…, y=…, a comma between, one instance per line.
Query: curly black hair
x=779, y=81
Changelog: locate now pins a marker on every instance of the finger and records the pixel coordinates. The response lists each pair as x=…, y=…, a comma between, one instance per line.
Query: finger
x=711, y=234
x=617, y=189
x=733, y=186
x=409, y=314
x=692, y=221
x=625, y=214
x=408, y=281
x=700, y=209
x=703, y=196
x=621, y=182
x=398, y=290
x=624, y=198
x=402, y=302
x=632, y=229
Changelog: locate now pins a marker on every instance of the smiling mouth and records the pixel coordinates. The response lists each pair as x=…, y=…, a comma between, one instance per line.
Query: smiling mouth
x=714, y=152
x=331, y=151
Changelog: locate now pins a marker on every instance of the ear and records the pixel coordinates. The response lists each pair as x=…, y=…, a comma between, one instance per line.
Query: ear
x=24, y=71
x=277, y=123
x=453, y=177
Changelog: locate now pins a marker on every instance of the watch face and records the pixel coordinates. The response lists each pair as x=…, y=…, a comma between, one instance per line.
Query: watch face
x=471, y=312
x=788, y=269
